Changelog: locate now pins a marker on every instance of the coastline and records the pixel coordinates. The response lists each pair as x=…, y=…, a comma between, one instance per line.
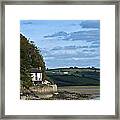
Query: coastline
x=69, y=93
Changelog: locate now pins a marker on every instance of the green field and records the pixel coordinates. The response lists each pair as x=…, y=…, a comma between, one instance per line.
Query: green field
x=74, y=77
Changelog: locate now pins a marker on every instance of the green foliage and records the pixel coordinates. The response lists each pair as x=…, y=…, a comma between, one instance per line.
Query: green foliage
x=72, y=80
x=30, y=57
x=75, y=77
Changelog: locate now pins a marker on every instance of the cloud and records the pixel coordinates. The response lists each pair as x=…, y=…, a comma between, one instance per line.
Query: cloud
x=89, y=50
x=93, y=50
x=73, y=24
x=58, y=34
x=96, y=42
x=67, y=52
x=85, y=50
x=94, y=46
x=47, y=58
x=73, y=62
x=71, y=54
x=71, y=47
x=90, y=24
x=57, y=48
x=89, y=35
x=74, y=47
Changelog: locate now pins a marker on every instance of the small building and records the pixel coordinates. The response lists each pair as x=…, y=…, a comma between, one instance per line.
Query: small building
x=36, y=75
x=65, y=72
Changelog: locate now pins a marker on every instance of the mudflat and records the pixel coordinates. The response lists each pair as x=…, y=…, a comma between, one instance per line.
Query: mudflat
x=81, y=89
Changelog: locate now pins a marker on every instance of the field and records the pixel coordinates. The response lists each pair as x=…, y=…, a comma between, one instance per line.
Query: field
x=74, y=77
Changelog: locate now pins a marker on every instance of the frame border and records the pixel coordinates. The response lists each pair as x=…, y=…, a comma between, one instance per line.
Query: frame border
x=55, y=2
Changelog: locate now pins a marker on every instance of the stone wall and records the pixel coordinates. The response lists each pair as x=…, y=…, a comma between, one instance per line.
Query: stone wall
x=44, y=89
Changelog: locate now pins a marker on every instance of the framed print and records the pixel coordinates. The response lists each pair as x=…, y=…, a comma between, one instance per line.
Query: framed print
x=60, y=60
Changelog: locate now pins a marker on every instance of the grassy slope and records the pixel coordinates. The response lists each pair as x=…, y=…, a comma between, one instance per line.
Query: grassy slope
x=81, y=78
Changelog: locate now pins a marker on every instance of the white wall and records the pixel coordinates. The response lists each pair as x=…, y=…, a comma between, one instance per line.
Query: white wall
x=39, y=76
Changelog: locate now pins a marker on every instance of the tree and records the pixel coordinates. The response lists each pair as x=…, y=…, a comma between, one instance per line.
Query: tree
x=75, y=67
x=30, y=57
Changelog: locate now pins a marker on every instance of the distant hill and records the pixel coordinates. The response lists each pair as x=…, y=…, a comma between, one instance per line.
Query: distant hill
x=75, y=76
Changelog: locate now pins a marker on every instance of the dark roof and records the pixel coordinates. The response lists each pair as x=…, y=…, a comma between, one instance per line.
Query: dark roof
x=35, y=70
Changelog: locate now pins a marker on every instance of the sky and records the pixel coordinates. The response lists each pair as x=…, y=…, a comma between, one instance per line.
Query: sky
x=65, y=43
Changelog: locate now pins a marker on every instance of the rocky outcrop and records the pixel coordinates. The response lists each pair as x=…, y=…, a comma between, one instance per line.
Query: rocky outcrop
x=39, y=92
